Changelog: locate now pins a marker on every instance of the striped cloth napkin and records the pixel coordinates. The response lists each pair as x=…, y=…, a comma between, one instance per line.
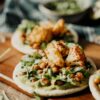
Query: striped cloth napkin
x=90, y=34
x=16, y=10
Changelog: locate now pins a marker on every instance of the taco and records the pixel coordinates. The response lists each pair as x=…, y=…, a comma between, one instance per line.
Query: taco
x=60, y=69
x=30, y=36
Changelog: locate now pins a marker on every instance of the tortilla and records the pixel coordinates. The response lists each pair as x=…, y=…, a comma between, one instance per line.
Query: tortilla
x=18, y=44
x=25, y=87
x=44, y=92
x=26, y=49
x=93, y=88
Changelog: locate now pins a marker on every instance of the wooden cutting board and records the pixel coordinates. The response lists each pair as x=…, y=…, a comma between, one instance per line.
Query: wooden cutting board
x=7, y=67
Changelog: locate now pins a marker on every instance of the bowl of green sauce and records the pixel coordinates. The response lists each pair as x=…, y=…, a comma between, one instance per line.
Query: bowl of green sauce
x=70, y=10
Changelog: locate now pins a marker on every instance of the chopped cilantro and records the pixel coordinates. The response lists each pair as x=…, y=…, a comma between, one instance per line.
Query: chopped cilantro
x=37, y=56
x=43, y=45
x=87, y=64
x=86, y=74
x=32, y=73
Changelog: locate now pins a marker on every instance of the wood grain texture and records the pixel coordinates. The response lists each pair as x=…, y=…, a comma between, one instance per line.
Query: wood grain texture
x=7, y=67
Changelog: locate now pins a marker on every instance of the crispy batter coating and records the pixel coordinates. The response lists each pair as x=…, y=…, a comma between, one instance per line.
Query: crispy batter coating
x=76, y=56
x=59, y=28
x=62, y=48
x=54, y=55
x=40, y=34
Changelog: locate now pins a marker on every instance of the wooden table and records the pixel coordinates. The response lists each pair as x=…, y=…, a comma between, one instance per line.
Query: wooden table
x=7, y=67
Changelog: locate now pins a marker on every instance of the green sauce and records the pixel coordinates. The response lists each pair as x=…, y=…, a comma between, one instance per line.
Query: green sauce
x=67, y=6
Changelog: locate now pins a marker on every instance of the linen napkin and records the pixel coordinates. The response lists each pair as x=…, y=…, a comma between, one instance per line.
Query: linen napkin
x=3, y=95
x=11, y=94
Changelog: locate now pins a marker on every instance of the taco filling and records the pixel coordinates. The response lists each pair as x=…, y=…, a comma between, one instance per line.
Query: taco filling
x=37, y=35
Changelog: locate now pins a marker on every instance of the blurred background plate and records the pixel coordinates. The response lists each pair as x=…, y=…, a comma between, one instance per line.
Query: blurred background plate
x=41, y=1
x=49, y=9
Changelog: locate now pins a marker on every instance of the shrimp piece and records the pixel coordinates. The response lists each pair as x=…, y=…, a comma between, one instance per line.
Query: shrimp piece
x=76, y=56
x=54, y=55
x=62, y=48
x=59, y=28
x=40, y=34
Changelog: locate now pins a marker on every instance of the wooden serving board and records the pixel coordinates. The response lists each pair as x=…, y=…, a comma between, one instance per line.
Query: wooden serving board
x=8, y=65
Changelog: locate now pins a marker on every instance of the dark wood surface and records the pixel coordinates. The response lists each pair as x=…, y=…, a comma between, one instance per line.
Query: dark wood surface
x=8, y=65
